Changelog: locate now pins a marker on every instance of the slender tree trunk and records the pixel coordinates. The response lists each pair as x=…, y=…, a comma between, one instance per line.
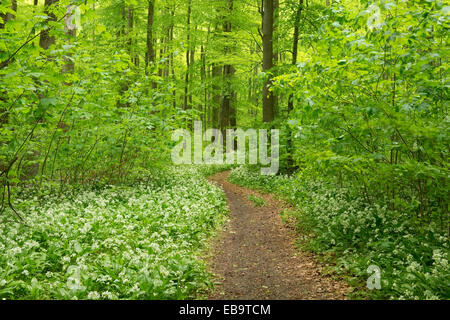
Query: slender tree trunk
x=228, y=73
x=161, y=56
x=71, y=32
x=172, y=67
x=150, y=55
x=45, y=40
x=295, y=47
x=203, y=80
x=216, y=78
x=167, y=50
x=5, y=18
x=298, y=13
x=267, y=30
x=130, y=20
x=8, y=16
x=188, y=57
x=134, y=56
x=226, y=99
x=209, y=76
x=191, y=64
x=276, y=50
x=4, y=114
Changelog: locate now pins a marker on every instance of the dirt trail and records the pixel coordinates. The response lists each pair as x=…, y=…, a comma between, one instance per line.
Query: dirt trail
x=255, y=257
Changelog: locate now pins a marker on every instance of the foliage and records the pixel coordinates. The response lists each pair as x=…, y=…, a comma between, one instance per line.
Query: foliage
x=352, y=235
x=257, y=201
x=360, y=89
x=139, y=241
x=371, y=104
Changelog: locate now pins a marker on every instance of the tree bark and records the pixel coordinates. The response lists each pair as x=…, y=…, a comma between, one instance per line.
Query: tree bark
x=45, y=40
x=4, y=114
x=71, y=32
x=203, y=80
x=298, y=13
x=276, y=50
x=267, y=30
x=131, y=41
x=227, y=109
x=216, y=74
x=172, y=67
x=188, y=56
x=295, y=47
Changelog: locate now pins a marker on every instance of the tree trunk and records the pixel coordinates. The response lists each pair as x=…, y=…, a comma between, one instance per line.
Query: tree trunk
x=276, y=50
x=203, y=80
x=172, y=67
x=267, y=29
x=8, y=16
x=216, y=78
x=4, y=114
x=131, y=41
x=295, y=48
x=298, y=13
x=149, y=55
x=45, y=40
x=188, y=56
x=227, y=109
x=71, y=32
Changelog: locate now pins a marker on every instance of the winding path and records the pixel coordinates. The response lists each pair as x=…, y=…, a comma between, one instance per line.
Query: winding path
x=255, y=257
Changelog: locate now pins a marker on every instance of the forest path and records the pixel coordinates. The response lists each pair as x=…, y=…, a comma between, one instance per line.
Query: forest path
x=255, y=256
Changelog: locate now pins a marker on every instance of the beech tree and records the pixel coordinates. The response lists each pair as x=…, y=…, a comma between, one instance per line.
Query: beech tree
x=267, y=42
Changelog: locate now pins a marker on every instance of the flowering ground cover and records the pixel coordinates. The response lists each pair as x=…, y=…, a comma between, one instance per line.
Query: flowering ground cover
x=352, y=235
x=136, y=241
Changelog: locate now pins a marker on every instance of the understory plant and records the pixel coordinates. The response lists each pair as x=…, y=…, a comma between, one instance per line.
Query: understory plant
x=352, y=235
x=136, y=241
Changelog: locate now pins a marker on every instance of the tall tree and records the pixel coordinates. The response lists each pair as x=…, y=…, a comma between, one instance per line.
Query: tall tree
x=188, y=56
x=45, y=40
x=216, y=74
x=267, y=37
x=298, y=13
x=227, y=111
x=276, y=47
x=171, y=57
x=5, y=18
x=71, y=31
x=216, y=78
x=203, y=108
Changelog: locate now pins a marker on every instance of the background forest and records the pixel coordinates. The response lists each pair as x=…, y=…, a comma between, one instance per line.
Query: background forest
x=91, y=91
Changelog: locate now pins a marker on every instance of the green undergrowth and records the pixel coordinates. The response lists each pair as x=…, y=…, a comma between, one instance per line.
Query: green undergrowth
x=140, y=240
x=257, y=201
x=352, y=235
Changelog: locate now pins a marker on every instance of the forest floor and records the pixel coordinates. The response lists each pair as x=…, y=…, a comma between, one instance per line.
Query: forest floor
x=255, y=256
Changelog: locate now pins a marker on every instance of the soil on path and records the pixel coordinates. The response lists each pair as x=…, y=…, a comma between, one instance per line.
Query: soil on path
x=254, y=258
